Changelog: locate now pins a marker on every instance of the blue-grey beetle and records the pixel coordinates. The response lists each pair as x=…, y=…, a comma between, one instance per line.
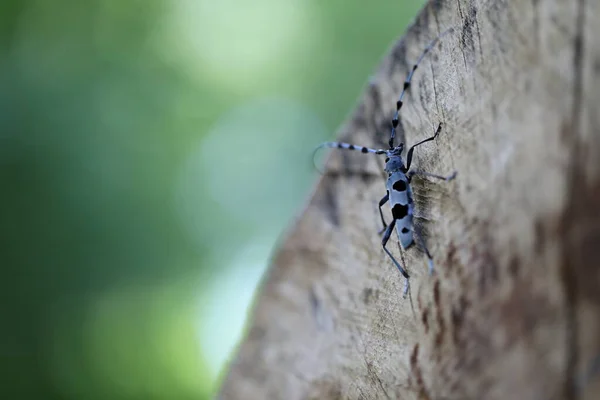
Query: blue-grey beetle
x=399, y=193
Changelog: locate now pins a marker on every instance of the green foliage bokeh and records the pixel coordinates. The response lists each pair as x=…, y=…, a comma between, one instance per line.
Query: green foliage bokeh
x=103, y=104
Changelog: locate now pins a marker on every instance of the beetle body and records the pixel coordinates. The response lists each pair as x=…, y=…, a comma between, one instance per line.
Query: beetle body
x=401, y=201
x=399, y=193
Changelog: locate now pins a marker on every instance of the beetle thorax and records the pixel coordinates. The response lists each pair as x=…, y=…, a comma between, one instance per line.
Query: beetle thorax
x=394, y=163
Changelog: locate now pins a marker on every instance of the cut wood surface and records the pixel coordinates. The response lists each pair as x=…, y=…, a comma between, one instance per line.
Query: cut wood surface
x=513, y=308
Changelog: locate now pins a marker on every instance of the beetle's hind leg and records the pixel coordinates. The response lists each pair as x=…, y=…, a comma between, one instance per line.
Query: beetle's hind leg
x=384, y=240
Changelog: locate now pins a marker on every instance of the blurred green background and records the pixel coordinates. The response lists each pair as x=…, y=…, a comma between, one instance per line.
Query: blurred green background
x=151, y=153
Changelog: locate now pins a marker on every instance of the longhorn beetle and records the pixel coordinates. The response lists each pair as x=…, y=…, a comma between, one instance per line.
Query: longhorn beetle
x=399, y=193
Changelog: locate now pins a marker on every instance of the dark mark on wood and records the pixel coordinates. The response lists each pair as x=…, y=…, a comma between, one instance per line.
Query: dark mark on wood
x=414, y=366
x=450, y=256
x=330, y=206
x=366, y=295
x=425, y=319
x=457, y=320
x=439, y=337
x=436, y=294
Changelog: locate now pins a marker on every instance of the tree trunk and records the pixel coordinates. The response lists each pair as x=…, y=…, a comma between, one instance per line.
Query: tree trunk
x=513, y=308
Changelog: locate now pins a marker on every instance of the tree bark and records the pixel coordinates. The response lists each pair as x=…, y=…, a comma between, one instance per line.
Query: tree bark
x=513, y=308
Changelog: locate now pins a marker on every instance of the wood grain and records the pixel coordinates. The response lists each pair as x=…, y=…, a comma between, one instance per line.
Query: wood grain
x=513, y=310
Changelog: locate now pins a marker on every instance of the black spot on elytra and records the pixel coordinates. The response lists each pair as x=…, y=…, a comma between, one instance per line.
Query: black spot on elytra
x=405, y=230
x=399, y=186
x=400, y=211
x=387, y=159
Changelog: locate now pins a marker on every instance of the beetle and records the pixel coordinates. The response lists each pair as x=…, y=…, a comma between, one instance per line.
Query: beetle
x=399, y=192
